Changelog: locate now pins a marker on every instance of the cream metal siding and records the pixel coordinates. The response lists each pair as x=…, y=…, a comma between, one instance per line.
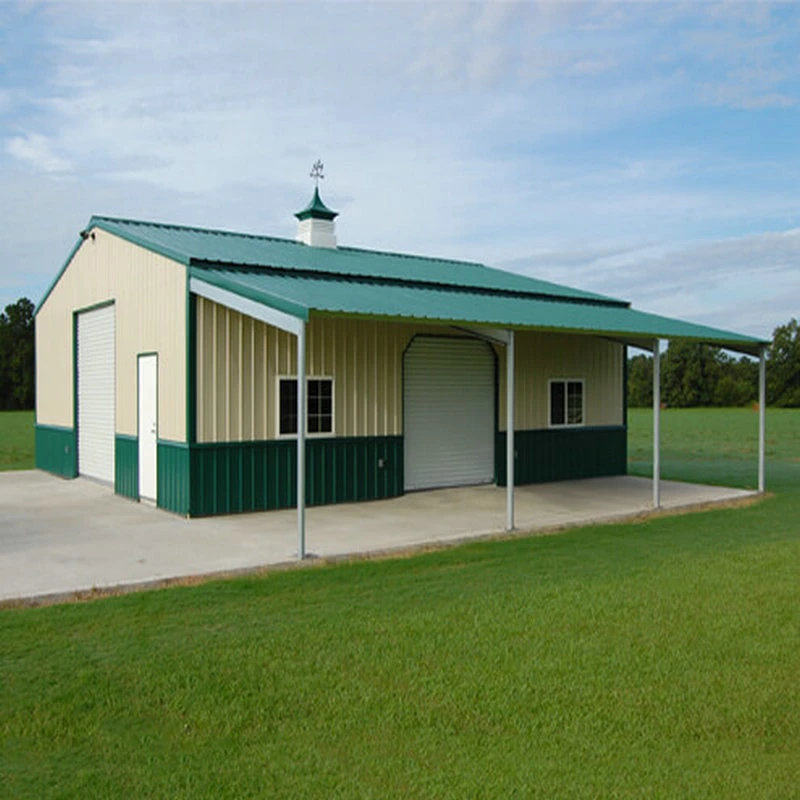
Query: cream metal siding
x=543, y=356
x=239, y=360
x=149, y=293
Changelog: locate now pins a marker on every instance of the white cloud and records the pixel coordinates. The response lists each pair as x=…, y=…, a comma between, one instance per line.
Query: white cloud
x=37, y=150
x=747, y=283
x=471, y=130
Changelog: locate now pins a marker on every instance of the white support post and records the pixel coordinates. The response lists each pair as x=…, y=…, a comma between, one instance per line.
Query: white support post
x=762, y=415
x=657, y=424
x=510, y=432
x=301, y=441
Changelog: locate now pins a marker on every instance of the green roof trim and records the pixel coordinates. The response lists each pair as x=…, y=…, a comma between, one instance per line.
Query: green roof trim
x=125, y=230
x=316, y=209
x=393, y=300
x=198, y=246
x=240, y=286
x=75, y=248
x=299, y=280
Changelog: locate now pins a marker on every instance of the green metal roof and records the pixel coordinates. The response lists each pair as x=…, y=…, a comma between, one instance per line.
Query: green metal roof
x=301, y=294
x=316, y=209
x=299, y=279
x=197, y=245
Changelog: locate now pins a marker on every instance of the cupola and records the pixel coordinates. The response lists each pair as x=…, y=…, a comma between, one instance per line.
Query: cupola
x=315, y=223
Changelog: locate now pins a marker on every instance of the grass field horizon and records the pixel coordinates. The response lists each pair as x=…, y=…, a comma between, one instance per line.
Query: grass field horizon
x=16, y=440
x=657, y=659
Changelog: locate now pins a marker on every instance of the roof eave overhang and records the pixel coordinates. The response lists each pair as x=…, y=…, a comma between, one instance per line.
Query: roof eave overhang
x=644, y=341
x=272, y=310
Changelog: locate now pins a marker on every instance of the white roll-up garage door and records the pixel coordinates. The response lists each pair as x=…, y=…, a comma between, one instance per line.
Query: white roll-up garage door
x=448, y=408
x=96, y=399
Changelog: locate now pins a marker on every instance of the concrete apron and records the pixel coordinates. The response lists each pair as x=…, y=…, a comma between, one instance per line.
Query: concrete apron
x=58, y=537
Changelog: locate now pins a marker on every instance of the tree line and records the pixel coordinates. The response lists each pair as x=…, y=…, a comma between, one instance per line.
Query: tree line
x=701, y=375
x=17, y=359
x=691, y=374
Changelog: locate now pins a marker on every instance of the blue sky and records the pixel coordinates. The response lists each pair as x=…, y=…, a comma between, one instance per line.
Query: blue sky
x=646, y=150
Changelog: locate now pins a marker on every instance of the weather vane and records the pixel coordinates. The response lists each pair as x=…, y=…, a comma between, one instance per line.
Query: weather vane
x=316, y=172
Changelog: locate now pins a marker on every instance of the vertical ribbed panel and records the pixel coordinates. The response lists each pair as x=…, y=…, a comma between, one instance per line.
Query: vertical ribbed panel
x=96, y=393
x=56, y=450
x=562, y=454
x=255, y=476
x=544, y=356
x=239, y=361
x=448, y=407
x=149, y=292
x=126, y=466
x=173, y=476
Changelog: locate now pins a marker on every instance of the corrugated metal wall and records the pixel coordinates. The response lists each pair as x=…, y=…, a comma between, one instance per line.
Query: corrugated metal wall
x=542, y=356
x=149, y=293
x=239, y=360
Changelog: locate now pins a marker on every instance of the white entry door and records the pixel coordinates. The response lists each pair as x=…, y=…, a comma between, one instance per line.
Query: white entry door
x=448, y=404
x=148, y=426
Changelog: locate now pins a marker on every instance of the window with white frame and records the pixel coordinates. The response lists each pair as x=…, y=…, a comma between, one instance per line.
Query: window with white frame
x=319, y=406
x=566, y=402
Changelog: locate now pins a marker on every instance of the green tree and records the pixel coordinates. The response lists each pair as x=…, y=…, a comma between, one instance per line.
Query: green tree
x=738, y=381
x=783, y=366
x=17, y=356
x=640, y=381
x=689, y=374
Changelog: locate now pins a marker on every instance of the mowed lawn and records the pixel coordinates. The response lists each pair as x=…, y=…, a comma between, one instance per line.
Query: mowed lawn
x=16, y=440
x=659, y=659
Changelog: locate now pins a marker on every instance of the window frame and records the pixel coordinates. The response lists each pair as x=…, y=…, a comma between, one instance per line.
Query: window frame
x=318, y=434
x=566, y=423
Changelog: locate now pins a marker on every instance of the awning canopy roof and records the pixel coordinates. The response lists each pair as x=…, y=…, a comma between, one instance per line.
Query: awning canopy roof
x=299, y=294
x=298, y=280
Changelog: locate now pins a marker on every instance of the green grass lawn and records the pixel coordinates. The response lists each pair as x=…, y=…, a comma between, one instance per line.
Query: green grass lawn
x=16, y=440
x=716, y=445
x=659, y=659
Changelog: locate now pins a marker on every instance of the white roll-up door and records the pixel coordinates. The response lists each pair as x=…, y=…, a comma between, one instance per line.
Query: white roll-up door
x=96, y=398
x=448, y=409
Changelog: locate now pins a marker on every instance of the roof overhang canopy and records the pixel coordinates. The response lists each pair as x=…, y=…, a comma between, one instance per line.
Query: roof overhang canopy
x=282, y=282
x=298, y=294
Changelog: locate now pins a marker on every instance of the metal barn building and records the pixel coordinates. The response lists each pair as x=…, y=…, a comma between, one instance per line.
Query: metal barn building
x=168, y=360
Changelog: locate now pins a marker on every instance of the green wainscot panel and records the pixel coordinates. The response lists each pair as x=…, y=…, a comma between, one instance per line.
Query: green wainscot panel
x=231, y=477
x=57, y=450
x=126, y=465
x=173, y=476
x=562, y=454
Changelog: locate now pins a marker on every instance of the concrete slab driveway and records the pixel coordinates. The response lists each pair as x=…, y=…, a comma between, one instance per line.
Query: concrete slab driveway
x=59, y=536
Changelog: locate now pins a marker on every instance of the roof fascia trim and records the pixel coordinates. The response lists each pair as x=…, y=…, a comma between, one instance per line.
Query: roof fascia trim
x=109, y=227
x=291, y=307
x=640, y=339
x=67, y=261
x=421, y=283
x=246, y=306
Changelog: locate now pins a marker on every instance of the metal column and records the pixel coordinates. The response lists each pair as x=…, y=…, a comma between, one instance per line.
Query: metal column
x=657, y=424
x=762, y=414
x=510, y=432
x=301, y=441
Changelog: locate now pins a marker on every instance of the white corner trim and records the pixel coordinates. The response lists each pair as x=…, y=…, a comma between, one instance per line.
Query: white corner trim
x=278, y=319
